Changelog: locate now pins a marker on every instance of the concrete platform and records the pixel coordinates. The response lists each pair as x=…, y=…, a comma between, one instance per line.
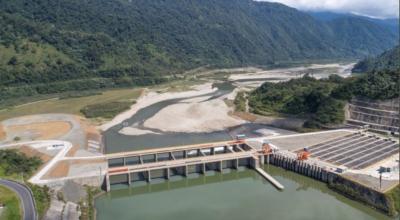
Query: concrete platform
x=300, y=141
x=355, y=151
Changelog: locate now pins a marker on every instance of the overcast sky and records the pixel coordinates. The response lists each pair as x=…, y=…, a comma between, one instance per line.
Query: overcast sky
x=371, y=8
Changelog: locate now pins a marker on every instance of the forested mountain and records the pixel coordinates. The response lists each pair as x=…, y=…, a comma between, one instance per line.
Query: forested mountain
x=389, y=60
x=390, y=23
x=49, y=46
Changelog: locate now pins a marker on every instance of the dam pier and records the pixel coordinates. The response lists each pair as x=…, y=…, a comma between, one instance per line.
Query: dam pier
x=130, y=167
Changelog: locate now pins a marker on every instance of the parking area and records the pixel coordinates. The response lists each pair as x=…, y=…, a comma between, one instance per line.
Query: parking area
x=355, y=151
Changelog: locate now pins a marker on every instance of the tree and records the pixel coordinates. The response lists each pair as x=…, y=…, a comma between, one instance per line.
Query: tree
x=331, y=111
x=13, y=61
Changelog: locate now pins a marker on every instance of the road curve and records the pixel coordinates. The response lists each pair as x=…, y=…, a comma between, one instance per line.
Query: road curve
x=25, y=196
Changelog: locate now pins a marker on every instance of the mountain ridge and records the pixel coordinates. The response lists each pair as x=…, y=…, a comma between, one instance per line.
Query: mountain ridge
x=112, y=43
x=326, y=16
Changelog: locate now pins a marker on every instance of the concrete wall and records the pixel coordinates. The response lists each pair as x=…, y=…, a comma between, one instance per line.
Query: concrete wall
x=379, y=115
x=361, y=193
x=301, y=167
x=337, y=182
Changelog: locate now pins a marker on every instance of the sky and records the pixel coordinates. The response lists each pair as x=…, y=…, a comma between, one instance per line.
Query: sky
x=370, y=8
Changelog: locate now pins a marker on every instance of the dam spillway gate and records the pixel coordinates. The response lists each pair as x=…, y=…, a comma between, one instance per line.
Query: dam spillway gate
x=129, y=167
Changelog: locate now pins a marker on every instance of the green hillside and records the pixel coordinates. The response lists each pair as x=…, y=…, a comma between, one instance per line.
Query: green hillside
x=49, y=46
x=388, y=60
x=322, y=101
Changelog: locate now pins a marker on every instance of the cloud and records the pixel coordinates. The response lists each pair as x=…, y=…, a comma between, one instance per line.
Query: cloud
x=371, y=8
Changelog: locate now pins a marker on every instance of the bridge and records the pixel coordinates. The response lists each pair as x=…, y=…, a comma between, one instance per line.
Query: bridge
x=129, y=167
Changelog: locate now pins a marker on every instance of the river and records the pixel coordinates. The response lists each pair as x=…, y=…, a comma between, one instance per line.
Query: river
x=233, y=195
x=114, y=141
x=117, y=142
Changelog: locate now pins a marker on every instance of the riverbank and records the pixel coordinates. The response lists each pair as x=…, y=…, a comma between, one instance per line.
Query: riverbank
x=194, y=116
x=197, y=114
x=151, y=97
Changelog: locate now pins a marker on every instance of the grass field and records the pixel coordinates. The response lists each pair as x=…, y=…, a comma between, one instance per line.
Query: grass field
x=106, y=110
x=70, y=105
x=12, y=210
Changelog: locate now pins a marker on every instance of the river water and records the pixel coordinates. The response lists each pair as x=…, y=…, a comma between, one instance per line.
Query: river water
x=233, y=195
x=117, y=142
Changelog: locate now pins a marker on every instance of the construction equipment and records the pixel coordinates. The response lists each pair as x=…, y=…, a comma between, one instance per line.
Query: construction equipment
x=266, y=149
x=303, y=154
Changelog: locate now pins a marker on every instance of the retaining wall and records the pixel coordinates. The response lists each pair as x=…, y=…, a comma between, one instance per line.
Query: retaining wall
x=300, y=167
x=362, y=193
x=337, y=183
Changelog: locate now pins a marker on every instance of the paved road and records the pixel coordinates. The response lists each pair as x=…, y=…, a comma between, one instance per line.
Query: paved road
x=28, y=206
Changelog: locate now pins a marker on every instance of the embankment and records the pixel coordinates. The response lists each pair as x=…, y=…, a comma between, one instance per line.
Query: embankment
x=387, y=202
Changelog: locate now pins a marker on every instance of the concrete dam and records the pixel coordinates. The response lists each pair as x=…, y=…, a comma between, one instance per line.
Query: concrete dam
x=130, y=167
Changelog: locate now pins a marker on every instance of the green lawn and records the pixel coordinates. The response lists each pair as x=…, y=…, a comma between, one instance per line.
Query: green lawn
x=70, y=105
x=12, y=208
x=106, y=110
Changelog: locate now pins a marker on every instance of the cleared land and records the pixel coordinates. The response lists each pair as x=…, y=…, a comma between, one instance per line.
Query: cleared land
x=12, y=210
x=31, y=152
x=59, y=170
x=42, y=130
x=76, y=167
x=70, y=105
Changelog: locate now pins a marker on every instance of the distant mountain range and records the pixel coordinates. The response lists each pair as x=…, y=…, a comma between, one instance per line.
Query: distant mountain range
x=49, y=46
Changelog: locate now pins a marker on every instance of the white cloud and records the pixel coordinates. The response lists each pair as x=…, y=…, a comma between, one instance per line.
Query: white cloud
x=372, y=8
